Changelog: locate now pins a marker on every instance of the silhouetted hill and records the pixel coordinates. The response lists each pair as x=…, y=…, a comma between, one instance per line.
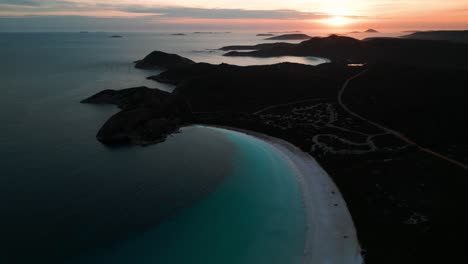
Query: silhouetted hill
x=290, y=37
x=450, y=35
x=159, y=59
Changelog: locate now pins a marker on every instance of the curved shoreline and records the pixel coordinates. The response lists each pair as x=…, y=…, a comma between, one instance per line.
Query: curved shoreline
x=331, y=237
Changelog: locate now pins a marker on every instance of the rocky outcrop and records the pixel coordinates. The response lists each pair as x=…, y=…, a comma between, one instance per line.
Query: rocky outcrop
x=370, y=30
x=141, y=126
x=159, y=59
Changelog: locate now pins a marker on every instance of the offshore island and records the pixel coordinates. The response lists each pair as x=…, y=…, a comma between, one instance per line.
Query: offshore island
x=386, y=118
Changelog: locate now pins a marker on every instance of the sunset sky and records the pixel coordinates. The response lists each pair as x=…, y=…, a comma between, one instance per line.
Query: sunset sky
x=167, y=15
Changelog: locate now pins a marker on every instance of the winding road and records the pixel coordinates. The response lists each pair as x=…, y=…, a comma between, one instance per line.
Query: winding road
x=398, y=134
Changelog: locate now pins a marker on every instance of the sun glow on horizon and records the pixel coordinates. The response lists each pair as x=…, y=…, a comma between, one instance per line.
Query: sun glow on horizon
x=337, y=21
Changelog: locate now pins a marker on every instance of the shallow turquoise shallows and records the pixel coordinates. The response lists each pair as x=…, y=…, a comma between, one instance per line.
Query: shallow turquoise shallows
x=254, y=216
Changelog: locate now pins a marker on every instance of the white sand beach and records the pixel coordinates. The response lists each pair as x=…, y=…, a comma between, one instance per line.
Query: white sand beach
x=330, y=234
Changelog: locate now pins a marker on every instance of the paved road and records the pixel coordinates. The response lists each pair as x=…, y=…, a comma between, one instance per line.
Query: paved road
x=391, y=131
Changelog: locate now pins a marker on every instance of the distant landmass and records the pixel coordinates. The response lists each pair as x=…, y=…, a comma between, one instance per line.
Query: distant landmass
x=257, y=47
x=178, y=34
x=115, y=36
x=367, y=31
x=350, y=50
x=265, y=35
x=449, y=35
x=285, y=32
x=290, y=37
x=210, y=32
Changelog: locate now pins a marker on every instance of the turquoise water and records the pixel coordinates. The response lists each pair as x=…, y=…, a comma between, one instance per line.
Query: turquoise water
x=254, y=216
x=64, y=194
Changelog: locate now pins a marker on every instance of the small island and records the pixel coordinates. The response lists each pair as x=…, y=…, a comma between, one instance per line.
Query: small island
x=116, y=36
x=265, y=35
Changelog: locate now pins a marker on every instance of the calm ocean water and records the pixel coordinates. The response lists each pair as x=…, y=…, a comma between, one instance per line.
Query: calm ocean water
x=65, y=197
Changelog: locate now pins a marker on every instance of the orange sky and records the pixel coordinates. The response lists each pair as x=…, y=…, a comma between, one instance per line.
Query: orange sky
x=294, y=14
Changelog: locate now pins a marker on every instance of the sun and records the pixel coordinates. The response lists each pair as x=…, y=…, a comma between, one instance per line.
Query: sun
x=337, y=21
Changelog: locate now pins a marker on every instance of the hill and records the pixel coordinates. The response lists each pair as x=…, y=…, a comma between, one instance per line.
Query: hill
x=449, y=35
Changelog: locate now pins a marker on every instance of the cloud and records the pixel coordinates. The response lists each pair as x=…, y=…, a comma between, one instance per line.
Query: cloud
x=74, y=24
x=20, y=2
x=208, y=13
x=47, y=7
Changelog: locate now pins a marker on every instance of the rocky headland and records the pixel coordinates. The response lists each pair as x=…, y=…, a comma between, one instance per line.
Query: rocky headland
x=147, y=115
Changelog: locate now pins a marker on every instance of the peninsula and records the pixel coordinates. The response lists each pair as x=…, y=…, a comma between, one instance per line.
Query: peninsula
x=375, y=128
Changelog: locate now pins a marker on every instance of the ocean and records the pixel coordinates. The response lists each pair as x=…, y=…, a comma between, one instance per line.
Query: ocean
x=205, y=195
